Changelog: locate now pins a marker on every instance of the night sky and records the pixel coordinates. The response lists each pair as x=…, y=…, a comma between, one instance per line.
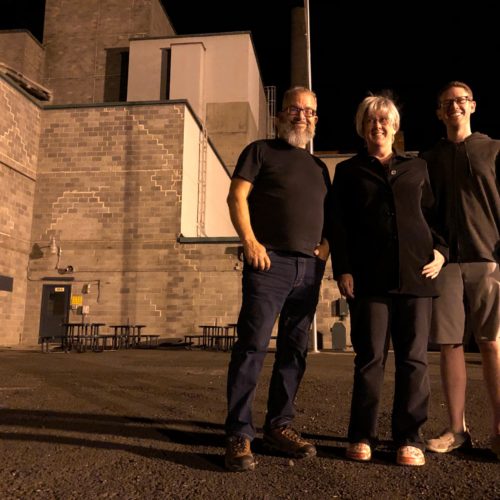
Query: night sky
x=355, y=49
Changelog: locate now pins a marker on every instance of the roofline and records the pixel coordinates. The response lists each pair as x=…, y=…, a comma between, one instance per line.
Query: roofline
x=24, y=31
x=194, y=35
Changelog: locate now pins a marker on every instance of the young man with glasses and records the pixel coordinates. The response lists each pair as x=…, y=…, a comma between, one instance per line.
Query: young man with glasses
x=276, y=201
x=464, y=171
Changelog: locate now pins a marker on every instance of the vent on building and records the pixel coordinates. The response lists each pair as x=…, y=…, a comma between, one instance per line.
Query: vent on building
x=6, y=283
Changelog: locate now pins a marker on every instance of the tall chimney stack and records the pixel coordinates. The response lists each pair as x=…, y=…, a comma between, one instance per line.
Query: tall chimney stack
x=298, y=53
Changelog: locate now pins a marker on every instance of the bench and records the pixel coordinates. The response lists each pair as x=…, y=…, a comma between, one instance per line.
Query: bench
x=219, y=342
x=61, y=340
x=188, y=339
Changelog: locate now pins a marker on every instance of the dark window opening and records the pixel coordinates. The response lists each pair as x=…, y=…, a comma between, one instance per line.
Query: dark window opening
x=116, y=76
x=166, y=56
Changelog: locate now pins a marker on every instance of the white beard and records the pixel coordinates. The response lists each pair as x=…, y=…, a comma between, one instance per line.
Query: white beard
x=296, y=138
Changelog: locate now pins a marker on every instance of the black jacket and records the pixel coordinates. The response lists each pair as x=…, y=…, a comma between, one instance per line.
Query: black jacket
x=465, y=179
x=380, y=225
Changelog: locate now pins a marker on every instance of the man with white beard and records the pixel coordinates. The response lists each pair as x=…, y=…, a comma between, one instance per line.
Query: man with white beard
x=276, y=201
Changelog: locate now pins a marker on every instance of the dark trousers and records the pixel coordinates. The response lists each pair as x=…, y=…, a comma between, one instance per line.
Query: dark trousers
x=290, y=289
x=374, y=320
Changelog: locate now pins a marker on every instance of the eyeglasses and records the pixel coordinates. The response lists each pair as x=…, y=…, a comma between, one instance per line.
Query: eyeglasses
x=457, y=100
x=384, y=121
x=295, y=111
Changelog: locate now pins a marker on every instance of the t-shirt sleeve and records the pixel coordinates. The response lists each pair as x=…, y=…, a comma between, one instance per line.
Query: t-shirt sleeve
x=249, y=163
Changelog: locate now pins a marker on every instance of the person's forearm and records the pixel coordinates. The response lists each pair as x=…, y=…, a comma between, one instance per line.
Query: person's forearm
x=240, y=217
x=255, y=253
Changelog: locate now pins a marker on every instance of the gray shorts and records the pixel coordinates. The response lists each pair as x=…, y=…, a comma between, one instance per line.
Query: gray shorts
x=469, y=290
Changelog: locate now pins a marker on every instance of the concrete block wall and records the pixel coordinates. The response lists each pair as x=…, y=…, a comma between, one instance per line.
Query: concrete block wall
x=109, y=190
x=19, y=138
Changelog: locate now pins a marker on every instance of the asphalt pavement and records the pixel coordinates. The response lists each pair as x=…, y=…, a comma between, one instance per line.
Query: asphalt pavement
x=148, y=424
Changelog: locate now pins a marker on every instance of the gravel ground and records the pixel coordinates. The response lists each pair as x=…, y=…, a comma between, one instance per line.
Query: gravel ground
x=147, y=424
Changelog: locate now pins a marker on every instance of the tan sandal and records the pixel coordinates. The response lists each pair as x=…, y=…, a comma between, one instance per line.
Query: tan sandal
x=359, y=451
x=410, y=455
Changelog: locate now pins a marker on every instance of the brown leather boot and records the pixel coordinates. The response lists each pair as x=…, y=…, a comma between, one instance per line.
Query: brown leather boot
x=288, y=441
x=239, y=456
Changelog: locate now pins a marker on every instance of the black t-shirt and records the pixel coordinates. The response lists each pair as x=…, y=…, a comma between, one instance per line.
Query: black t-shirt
x=288, y=196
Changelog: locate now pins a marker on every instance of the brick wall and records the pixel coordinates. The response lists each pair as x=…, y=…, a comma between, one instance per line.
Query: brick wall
x=22, y=52
x=19, y=137
x=77, y=34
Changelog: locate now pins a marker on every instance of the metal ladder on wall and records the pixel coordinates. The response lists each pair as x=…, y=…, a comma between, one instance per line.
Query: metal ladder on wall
x=270, y=92
x=202, y=182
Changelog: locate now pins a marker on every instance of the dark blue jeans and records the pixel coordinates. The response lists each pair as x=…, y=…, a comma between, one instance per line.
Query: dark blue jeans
x=290, y=289
x=374, y=320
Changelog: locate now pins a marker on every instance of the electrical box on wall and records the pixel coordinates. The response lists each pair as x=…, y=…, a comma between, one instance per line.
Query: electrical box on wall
x=86, y=288
x=76, y=301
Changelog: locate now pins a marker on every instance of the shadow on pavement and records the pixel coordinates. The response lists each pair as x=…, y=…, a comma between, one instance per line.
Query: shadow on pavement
x=167, y=430
x=202, y=461
x=476, y=455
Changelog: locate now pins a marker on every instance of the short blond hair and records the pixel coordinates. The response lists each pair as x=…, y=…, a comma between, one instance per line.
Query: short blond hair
x=374, y=103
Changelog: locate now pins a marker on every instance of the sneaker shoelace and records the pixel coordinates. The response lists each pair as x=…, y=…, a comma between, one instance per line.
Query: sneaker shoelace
x=292, y=434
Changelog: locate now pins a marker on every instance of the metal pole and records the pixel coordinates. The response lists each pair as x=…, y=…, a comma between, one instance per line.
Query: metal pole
x=308, y=45
x=311, y=146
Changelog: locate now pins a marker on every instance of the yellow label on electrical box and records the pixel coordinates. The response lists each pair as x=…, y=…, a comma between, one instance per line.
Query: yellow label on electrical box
x=76, y=300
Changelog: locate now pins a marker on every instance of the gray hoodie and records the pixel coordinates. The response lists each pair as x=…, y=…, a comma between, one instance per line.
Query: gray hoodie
x=465, y=180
